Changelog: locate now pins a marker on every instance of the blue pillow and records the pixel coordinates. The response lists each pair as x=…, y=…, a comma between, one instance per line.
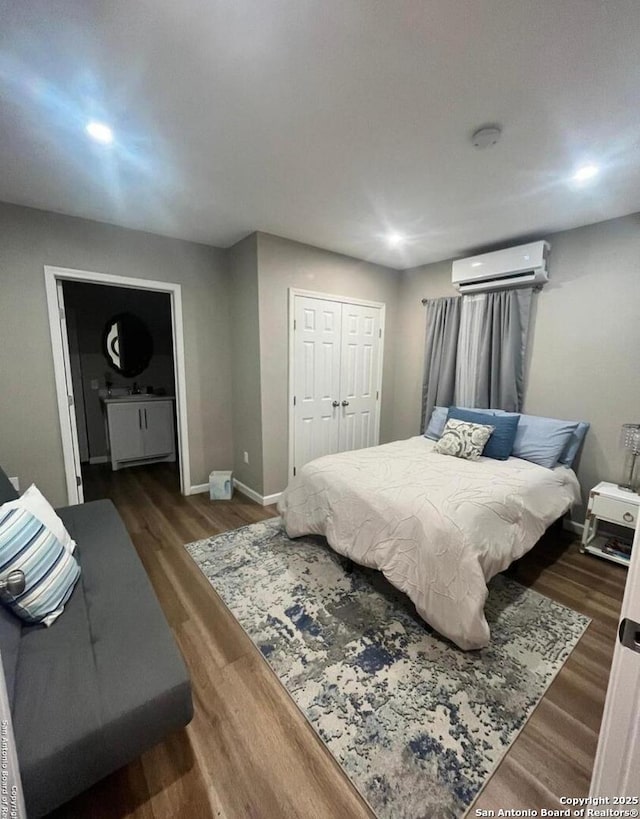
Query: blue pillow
x=543, y=440
x=481, y=410
x=500, y=443
x=435, y=427
x=571, y=450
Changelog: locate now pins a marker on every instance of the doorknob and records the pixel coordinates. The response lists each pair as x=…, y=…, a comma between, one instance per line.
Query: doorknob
x=335, y=403
x=345, y=403
x=629, y=634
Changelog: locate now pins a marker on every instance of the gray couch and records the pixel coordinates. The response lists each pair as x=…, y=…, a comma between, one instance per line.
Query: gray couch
x=105, y=682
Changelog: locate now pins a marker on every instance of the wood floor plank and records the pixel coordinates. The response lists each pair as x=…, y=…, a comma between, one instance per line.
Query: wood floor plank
x=249, y=752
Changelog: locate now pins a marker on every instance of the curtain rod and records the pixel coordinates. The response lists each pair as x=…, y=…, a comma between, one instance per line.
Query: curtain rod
x=536, y=289
x=433, y=298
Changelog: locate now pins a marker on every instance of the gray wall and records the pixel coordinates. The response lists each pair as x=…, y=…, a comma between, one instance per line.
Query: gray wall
x=283, y=264
x=245, y=360
x=30, y=443
x=584, y=347
x=584, y=350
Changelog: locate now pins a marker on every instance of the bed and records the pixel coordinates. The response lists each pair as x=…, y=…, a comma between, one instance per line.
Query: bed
x=439, y=528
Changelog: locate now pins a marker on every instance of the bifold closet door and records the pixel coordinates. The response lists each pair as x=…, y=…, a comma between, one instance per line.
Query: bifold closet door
x=317, y=351
x=336, y=352
x=359, y=368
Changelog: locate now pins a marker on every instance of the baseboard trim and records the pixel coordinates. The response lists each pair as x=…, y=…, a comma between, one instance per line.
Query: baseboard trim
x=263, y=500
x=248, y=491
x=572, y=526
x=99, y=459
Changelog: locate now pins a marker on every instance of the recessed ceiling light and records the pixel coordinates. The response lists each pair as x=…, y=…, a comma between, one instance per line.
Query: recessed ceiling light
x=100, y=132
x=395, y=239
x=586, y=172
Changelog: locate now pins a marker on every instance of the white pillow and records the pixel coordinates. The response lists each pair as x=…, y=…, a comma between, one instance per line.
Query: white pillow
x=35, y=502
x=463, y=439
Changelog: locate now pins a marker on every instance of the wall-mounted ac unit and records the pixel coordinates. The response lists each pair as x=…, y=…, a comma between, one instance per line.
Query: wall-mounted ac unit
x=511, y=267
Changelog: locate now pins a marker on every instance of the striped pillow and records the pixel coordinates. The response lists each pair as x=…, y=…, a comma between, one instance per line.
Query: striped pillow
x=50, y=571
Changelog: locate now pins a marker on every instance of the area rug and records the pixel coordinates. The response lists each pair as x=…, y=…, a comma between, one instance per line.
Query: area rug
x=417, y=724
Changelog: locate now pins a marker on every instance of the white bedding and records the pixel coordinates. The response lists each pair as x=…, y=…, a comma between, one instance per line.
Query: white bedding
x=438, y=527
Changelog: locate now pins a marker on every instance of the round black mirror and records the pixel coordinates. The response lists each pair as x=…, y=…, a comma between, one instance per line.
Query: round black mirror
x=127, y=344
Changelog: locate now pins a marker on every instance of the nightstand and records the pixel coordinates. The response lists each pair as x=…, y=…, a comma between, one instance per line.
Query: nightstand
x=607, y=502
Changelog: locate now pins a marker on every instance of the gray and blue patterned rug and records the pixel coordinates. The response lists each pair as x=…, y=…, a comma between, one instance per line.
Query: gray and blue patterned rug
x=417, y=724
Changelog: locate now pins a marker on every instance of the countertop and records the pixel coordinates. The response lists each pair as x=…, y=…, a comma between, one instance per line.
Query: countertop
x=124, y=399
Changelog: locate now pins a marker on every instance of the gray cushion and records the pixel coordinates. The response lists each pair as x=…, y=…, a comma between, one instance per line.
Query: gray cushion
x=10, y=631
x=106, y=681
x=10, y=626
x=7, y=490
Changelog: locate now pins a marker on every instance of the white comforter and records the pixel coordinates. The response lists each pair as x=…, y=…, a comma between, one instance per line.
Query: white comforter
x=438, y=527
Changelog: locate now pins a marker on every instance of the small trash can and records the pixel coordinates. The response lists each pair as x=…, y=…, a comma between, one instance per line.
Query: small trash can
x=220, y=485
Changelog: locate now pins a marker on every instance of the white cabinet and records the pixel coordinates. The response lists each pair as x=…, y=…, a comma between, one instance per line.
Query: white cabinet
x=124, y=428
x=157, y=437
x=140, y=430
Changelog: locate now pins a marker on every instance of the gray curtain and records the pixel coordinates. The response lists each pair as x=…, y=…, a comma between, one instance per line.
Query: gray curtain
x=502, y=345
x=441, y=346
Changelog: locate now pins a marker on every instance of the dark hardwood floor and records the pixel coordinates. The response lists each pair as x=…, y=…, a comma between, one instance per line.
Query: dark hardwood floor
x=248, y=751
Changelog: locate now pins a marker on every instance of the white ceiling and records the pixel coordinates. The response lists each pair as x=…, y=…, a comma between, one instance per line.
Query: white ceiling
x=327, y=121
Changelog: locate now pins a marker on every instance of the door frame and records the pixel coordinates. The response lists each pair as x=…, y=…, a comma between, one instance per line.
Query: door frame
x=52, y=275
x=314, y=294
x=72, y=333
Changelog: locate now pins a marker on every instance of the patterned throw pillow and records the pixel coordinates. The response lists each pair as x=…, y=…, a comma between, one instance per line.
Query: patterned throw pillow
x=50, y=571
x=35, y=502
x=463, y=439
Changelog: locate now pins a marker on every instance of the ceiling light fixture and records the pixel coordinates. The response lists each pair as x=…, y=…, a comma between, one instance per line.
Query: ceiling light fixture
x=100, y=132
x=395, y=239
x=586, y=172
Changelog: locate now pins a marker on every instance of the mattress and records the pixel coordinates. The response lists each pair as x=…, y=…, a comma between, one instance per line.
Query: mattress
x=438, y=527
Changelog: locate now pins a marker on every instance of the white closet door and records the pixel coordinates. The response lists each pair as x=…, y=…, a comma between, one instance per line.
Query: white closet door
x=359, y=369
x=316, y=378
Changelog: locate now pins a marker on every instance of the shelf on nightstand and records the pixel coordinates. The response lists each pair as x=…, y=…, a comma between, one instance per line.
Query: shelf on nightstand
x=596, y=547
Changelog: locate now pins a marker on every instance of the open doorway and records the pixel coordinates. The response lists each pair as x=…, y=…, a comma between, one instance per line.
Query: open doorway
x=118, y=355
x=122, y=370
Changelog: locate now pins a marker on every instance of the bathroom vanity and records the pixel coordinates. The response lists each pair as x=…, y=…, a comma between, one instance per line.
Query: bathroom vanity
x=140, y=429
